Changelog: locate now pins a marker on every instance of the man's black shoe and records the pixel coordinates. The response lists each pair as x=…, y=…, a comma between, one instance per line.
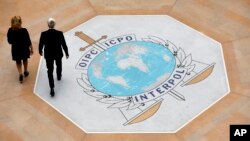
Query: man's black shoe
x=52, y=92
x=59, y=78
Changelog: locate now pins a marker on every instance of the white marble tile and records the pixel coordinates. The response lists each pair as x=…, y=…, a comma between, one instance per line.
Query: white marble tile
x=178, y=107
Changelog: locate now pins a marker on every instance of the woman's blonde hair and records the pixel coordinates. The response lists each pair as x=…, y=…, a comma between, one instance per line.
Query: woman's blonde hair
x=16, y=22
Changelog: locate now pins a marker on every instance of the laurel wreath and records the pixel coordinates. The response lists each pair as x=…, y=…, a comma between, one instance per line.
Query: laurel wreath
x=182, y=61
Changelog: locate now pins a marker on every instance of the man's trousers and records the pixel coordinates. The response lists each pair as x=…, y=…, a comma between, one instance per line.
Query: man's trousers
x=50, y=67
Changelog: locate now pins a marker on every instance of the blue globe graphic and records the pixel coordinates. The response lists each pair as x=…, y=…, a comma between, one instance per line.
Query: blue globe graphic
x=131, y=68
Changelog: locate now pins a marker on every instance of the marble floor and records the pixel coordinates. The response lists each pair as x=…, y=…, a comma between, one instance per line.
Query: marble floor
x=25, y=117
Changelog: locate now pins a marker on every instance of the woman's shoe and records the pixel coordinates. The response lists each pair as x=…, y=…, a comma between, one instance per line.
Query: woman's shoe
x=21, y=78
x=26, y=73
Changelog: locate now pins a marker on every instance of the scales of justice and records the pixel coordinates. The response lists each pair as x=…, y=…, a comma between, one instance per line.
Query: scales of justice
x=138, y=112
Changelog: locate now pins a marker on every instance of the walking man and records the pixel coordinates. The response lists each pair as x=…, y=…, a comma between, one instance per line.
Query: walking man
x=52, y=44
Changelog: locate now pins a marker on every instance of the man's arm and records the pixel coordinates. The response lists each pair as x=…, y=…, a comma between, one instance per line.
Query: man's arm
x=41, y=44
x=64, y=46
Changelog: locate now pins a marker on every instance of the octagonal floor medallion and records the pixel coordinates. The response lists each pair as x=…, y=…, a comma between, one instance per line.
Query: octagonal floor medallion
x=136, y=74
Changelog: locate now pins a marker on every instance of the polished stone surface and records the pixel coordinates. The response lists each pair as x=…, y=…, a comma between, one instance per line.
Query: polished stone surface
x=136, y=63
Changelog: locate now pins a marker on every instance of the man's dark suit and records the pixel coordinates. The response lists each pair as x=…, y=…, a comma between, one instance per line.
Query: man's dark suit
x=53, y=42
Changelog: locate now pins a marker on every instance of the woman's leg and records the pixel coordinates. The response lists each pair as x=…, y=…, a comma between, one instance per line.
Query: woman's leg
x=19, y=68
x=25, y=64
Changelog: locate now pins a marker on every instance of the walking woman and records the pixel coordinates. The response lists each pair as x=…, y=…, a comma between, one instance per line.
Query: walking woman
x=21, y=47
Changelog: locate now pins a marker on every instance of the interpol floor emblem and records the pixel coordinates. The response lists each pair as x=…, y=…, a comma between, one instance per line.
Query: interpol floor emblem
x=136, y=74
